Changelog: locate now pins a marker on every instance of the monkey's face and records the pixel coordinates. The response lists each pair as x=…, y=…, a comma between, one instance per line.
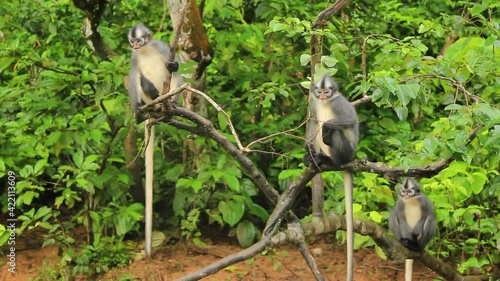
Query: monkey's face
x=323, y=94
x=139, y=36
x=325, y=88
x=137, y=43
x=409, y=188
x=409, y=192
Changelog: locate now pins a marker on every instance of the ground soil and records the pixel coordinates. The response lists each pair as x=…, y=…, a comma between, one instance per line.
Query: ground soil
x=173, y=261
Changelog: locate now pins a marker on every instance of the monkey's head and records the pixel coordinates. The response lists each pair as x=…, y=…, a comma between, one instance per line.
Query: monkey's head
x=410, y=188
x=139, y=36
x=325, y=88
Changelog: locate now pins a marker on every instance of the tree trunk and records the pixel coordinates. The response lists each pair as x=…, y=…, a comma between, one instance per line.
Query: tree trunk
x=194, y=46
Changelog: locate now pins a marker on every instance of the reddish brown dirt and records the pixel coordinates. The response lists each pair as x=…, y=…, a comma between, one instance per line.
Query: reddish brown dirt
x=284, y=263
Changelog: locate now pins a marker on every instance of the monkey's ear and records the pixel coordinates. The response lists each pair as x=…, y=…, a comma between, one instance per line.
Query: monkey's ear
x=147, y=37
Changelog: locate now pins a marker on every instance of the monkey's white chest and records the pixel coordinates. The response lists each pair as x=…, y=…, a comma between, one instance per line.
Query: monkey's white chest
x=152, y=66
x=323, y=114
x=413, y=212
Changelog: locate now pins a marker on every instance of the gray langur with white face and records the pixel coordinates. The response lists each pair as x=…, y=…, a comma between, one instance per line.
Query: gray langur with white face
x=149, y=64
x=331, y=138
x=148, y=72
x=412, y=220
x=333, y=130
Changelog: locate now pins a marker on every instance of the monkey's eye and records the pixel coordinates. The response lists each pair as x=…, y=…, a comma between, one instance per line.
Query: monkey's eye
x=139, y=41
x=324, y=92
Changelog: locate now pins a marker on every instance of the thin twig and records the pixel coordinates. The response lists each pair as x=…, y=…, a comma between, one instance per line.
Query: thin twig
x=455, y=83
x=261, y=140
x=221, y=110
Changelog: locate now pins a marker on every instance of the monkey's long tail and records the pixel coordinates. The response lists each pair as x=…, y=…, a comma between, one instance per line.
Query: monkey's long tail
x=408, y=269
x=149, y=138
x=348, y=184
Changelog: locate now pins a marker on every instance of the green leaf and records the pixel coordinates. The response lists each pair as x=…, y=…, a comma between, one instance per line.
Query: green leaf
x=388, y=124
x=401, y=112
x=4, y=235
x=27, y=197
x=390, y=83
x=431, y=144
x=78, y=158
x=258, y=211
x=479, y=180
x=356, y=207
x=221, y=162
x=453, y=107
x=42, y=212
x=380, y=252
x=232, y=182
x=329, y=61
x=59, y=200
x=279, y=26
x=121, y=224
x=40, y=164
x=96, y=219
x=5, y=62
x=195, y=184
x=157, y=238
x=43, y=224
x=305, y=59
x=245, y=233
x=375, y=216
x=222, y=121
x=231, y=211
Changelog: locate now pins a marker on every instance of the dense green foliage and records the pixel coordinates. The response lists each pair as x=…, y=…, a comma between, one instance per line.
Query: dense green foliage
x=66, y=114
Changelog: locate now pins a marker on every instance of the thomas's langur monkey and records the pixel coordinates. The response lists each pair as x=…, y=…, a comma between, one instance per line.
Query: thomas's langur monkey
x=412, y=220
x=149, y=64
x=331, y=138
x=148, y=72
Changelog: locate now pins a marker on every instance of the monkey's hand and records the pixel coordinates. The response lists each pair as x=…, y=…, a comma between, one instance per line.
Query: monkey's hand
x=136, y=107
x=415, y=235
x=411, y=244
x=308, y=156
x=172, y=66
x=317, y=159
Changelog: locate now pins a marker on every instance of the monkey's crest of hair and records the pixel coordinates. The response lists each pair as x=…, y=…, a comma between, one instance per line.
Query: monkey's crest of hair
x=139, y=32
x=410, y=187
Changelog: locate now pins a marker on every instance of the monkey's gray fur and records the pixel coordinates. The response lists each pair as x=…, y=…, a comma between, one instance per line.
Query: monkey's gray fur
x=149, y=63
x=333, y=131
x=412, y=220
x=331, y=138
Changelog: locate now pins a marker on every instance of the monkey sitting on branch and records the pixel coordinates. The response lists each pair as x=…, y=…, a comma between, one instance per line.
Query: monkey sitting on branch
x=412, y=220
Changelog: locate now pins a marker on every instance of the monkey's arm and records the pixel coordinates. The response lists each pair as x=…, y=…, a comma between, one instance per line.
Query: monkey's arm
x=343, y=129
x=397, y=221
x=172, y=66
x=317, y=159
x=427, y=223
x=134, y=85
x=425, y=229
x=313, y=156
x=403, y=234
x=149, y=88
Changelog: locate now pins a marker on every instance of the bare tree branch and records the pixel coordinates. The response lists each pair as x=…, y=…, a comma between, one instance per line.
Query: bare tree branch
x=325, y=15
